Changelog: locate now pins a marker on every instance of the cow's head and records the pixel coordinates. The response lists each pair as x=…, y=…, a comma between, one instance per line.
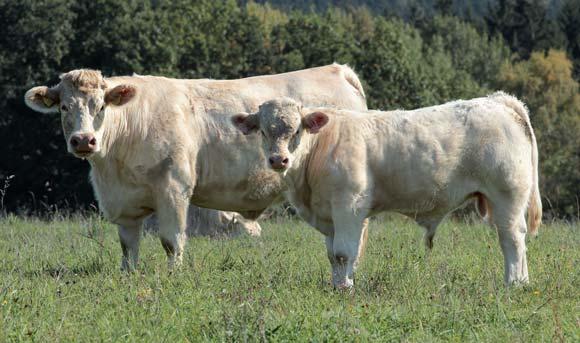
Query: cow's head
x=81, y=97
x=281, y=124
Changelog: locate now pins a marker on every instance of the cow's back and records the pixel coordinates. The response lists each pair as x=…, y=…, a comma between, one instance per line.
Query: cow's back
x=331, y=86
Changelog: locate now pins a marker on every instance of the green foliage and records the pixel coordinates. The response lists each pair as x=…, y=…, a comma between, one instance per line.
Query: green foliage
x=60, y=281
x=402, y=71
x=569, y=20
x=267, y=15
x=418, y=54
x=35, y=42
x=525, y=25
x=228, y=41
x=309, y=40
x=472, y=52
x=31, y=42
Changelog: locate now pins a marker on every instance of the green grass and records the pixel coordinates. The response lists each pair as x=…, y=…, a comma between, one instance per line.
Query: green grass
x=60, y=280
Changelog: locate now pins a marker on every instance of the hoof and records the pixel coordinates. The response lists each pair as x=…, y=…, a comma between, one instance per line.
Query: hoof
x=346, y=285
x=518, y=283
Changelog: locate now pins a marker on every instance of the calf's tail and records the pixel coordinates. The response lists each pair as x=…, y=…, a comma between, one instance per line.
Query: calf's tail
x=535, y=202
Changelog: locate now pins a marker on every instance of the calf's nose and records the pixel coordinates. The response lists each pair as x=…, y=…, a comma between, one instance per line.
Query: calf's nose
x=83, y=142
x=278, y=162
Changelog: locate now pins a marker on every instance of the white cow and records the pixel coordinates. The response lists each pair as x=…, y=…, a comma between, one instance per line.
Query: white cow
x=157, y=144
x=342, y=167
x=210, y=223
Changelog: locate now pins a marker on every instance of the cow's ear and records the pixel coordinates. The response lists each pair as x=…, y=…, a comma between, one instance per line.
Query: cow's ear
x=43, y=99
x=247, y=123
x=120, y=95
x=314, y=121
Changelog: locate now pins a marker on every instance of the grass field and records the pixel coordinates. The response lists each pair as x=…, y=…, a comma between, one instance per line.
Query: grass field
x=60, y=280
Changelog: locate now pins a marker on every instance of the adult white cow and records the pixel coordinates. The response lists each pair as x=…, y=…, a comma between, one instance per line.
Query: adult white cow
x=342, y=167
x=156, y=144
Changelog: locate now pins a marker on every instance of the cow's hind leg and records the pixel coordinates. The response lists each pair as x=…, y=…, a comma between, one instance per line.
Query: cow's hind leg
x=129, y=236
x=510, y=223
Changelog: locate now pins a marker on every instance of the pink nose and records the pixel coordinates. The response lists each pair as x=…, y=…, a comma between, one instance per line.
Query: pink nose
x=83, y=143
x=278, y=162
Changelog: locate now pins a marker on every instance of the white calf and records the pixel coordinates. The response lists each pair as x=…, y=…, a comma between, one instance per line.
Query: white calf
x=343, y=166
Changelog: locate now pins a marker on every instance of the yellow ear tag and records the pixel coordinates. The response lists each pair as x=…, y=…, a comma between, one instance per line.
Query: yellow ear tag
x=47, y=101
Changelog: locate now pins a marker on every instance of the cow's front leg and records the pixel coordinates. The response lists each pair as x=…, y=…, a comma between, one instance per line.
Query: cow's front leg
x=172, y=215
x=129, y=236
x=347, y=246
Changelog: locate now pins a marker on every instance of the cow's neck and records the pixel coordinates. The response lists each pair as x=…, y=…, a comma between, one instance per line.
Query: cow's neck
x=298, y=176
x=124, y=127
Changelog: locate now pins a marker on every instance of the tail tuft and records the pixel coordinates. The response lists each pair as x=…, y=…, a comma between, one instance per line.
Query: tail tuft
x=534, y=211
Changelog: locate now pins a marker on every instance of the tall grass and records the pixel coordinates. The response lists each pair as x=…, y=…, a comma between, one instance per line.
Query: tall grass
x=60, y=280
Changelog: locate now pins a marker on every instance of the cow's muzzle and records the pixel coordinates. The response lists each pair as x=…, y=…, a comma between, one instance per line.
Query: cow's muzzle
x=83, y=144
x=279, y=163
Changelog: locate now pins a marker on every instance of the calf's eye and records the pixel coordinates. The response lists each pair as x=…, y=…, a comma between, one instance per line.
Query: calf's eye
x=63, y=108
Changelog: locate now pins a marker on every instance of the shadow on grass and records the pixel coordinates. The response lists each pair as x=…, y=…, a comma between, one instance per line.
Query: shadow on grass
x=60, y=271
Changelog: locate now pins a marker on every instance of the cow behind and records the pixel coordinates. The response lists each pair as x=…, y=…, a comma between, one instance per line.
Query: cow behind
x=342, y=167
x=211, y=223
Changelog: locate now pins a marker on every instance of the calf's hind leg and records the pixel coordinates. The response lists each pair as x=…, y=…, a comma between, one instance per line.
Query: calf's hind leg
x=511, y=227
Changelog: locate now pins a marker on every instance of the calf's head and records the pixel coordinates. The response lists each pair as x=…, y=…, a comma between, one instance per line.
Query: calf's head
x=81, y=97
x=282, y=125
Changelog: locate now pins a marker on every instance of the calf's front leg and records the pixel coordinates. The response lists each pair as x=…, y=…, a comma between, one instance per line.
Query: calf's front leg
x=347, y=246
x=332, y=258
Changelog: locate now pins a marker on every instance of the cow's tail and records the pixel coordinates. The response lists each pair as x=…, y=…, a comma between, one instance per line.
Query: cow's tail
x=535, y=201
x=352, y=78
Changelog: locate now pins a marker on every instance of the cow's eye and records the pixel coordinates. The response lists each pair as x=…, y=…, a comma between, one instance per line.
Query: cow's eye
x=297, y=132
x=263, y=134
x=63, y=108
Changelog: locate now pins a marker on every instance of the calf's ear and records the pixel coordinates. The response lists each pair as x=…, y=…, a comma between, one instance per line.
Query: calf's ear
x=120, y=95
x=314, y=121
x=247, y=123
x=43, y=99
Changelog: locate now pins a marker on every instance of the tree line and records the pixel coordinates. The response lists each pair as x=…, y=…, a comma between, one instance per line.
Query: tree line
x=408, y=60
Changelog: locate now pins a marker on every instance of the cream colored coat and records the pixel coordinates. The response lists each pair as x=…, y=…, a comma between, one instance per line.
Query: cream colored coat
x=343, y=166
